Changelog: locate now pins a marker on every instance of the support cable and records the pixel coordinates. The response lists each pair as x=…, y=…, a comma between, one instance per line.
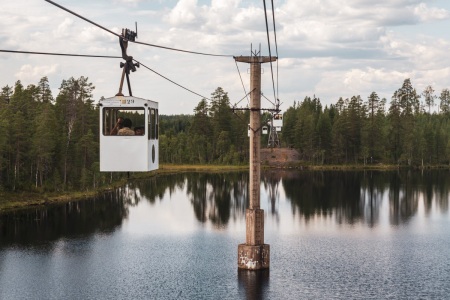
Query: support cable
x=59, y=54
x=276, y=44
x=268, y=99
x=239, y=117
x=81, y=17
x=270, y=54
x=246, y=95
x=180, y=50
x=146, y=44
x=99, y=56
x=171, y=80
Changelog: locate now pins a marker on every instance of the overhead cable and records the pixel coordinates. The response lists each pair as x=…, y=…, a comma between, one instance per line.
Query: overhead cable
x=245, y=92
x=81, y=17
x=171, y=80
x=98, y=56
x=270, y=54
x=276, y=44
x=136, y=42
x=59, y=54
x=180, y=50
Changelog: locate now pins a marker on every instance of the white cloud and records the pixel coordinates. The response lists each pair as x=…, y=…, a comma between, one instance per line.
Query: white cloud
x=426, y=14
x=185, y=13
x=31, y=73
x=365, y=79
x=330, y=48
x=422, y=52
x=63, y=29
x=129, y=2
x=90, y=34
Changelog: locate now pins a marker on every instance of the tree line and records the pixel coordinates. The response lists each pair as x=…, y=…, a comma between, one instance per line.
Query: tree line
x=213, y=135
x=51, y=144
x=408, y=130
x=404, y=131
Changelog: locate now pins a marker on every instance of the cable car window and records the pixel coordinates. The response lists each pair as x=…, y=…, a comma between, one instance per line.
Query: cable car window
x=129, y=121
x=153, y=124
x=157, y=124
x=150, y=127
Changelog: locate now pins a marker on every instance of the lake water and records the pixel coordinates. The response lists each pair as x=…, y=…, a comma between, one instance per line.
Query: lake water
x=333, y=235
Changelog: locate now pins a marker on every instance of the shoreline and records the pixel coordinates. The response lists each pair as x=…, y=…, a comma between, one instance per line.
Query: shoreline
x=14, y=201
x=22, y=200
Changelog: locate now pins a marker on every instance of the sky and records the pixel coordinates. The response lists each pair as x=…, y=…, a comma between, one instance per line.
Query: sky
x=326, y=48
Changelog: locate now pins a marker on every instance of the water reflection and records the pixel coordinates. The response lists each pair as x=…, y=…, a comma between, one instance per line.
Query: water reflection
x=358, y=196
x=254, y=283
x=156, y=187
x=81, y=218
x=214, y=197
x=270, y=180
x=218, y=197
x=158, y=238
x=347, y=197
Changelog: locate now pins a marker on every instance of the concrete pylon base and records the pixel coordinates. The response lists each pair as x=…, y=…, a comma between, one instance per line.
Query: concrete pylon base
x=253, y=257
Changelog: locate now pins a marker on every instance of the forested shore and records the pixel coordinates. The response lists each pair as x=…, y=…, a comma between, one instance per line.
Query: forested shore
x=50, y=144
x=411, y=130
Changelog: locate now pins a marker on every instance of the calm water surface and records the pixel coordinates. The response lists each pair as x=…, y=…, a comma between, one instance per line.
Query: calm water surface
x=333, y=235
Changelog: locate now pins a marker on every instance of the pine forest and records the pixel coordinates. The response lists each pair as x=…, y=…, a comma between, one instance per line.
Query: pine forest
x=52, y=144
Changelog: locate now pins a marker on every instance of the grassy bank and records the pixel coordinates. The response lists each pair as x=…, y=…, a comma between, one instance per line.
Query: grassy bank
x=347, y=167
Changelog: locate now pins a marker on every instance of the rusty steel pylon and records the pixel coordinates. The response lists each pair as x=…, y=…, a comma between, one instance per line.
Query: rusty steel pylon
x=254, y=254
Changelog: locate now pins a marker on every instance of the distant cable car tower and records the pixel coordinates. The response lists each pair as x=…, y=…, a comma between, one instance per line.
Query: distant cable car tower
x=129, y=126
x=276, y=123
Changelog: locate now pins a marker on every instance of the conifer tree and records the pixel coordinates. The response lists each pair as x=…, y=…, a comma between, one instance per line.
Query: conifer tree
x=201, y=133
x=374, y=130
x=429, y=97
x=44, y=91
x=445, y=101
x=324, y=135
x=395, y=130
x=44, y=143
x=73, y=103
x=221, y=115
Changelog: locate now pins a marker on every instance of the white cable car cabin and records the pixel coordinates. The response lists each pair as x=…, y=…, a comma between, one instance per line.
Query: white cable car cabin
x=129, y=153
x=278, y=121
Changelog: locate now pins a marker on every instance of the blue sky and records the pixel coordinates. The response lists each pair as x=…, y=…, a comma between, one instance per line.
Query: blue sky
x=327, y=48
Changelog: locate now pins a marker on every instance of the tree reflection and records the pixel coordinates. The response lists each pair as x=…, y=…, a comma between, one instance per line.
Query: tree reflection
x=271, y=180
x=403, y=197
x=436, y=183
x=78, y=218
x=324, y=193
x=357, y=196
x=155, y=188
x=372, y=196
x=215, y=197
x=218, y=197
x=348, y=197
